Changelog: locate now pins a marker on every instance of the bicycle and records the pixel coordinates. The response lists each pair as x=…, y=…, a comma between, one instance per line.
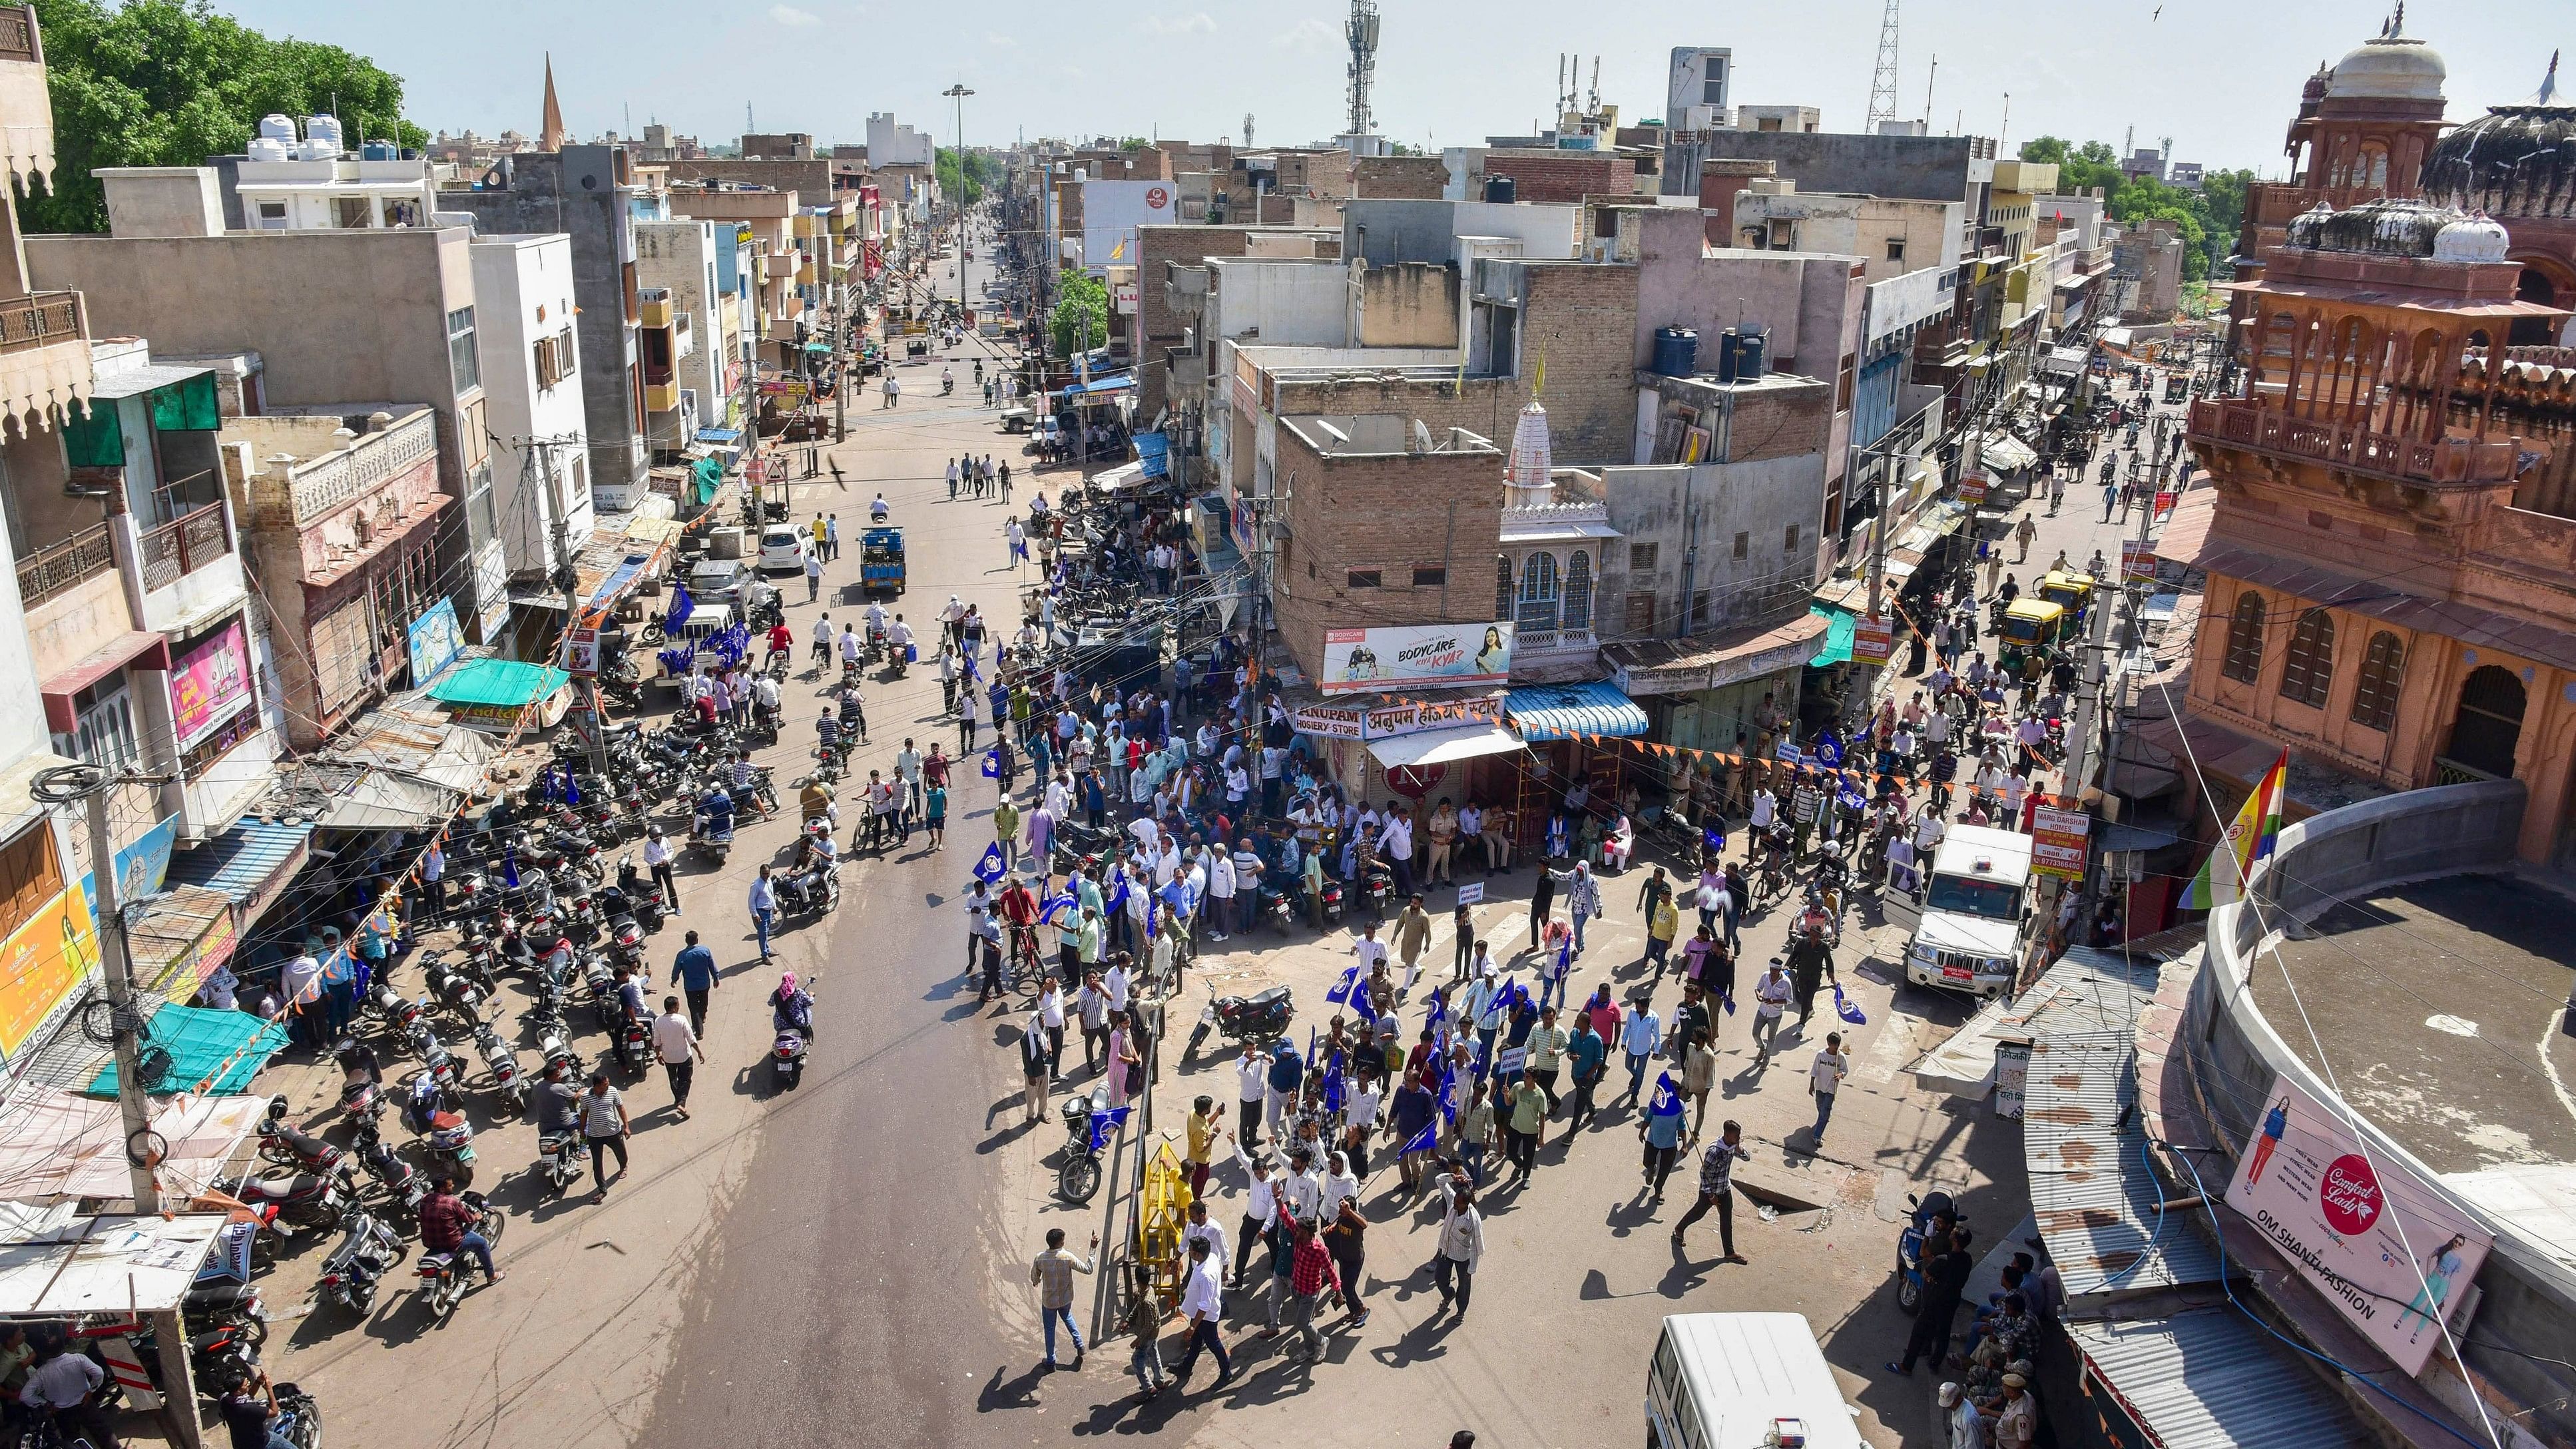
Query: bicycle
x=1027, y=971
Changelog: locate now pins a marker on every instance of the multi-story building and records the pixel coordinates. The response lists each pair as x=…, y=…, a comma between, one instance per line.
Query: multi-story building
x=685, y=366
x=542, y=499
x=2379, y=604
x=775, y=295
x=590, y=193
x=1893, y=236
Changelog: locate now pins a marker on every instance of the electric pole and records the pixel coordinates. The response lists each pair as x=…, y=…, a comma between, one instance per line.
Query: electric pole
x=540, y=455
x=91, y=785
x=958, y=93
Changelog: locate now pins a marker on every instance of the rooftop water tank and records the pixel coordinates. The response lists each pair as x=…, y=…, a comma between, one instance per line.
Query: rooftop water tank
x=277, y=127
x=1676, y=351
x=1501, y=188
x=378, y=151
x=324, y=129
x=270, y=148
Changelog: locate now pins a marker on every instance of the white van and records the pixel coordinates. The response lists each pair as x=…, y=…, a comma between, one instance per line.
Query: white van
x=1973, y=925
x=1744, y=1381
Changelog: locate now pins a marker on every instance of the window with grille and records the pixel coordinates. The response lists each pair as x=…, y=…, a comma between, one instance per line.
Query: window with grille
x=1538, y=600
x=1642, y=557
x=1429, y=578
x=1502, y=586
x=2245, y=639
x=1578, y=592
x=102, y=730
x=2307, y=670
x=2383, y=673
x=1364, y=578
x=461, y=361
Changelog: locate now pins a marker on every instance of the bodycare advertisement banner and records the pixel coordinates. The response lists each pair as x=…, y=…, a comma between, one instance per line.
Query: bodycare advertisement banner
x=2380, y=1244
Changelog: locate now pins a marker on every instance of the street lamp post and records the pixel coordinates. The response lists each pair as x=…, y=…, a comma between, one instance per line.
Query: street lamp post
x=959, y=93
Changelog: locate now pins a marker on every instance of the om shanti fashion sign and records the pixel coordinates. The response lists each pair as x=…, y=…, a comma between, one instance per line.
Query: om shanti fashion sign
x=2382, y=1246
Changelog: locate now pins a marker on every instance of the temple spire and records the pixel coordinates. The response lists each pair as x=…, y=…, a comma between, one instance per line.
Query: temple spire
x=551, y=135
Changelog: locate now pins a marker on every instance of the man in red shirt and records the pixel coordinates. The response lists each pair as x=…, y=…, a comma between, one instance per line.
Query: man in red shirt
x=781, y=642
x=447, y=1224
x=1311, y=1275
x=1020, y=915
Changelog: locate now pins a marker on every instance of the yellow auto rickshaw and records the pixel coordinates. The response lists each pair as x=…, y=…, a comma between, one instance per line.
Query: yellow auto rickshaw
x=2032, y=624
x=2072, y=592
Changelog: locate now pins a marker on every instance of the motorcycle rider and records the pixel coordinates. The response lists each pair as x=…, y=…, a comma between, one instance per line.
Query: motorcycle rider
x=715, y=814
x=765, y=701
x=898, y=640
x=947, y=381
x=554, y=1107
x=447, y=1224
x=853, y=711
x=791, y=1008
x=877, y=509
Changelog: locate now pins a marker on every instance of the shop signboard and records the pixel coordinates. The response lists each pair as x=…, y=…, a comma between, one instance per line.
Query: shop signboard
x=208, y=683
x=1972, y=488
x=580, y=651
x=1873, y=641
x=1379, y=722
x=44, y=960
x=140, y=867
x=436, y=639
x=2012, y=1076
x=2137, y=560
x=2380, y=1244
x=1443, y=654
x=2058, y=841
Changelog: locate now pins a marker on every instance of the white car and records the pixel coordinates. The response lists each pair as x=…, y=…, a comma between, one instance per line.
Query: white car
x=784, y=546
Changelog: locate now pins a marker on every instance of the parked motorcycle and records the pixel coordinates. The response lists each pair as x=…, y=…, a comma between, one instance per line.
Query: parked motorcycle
x=1261, y=1018
x=402, y=1185
x=361, y=1081
x=1088, y=1123
x=303, y=1200
x=367, y=1251
x=287, y=1145
x=503, y=1064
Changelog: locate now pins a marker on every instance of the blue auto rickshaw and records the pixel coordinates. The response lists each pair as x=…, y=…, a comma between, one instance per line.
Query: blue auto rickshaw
x=881, y=561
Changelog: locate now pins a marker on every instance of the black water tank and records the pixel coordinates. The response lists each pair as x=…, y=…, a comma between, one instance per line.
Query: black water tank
x=1500, y=188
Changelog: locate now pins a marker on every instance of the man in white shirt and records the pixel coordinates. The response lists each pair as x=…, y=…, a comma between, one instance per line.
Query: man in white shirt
x=907, y=769
x=1260, y=1202
x=1928, y=830
x=1772, y=997
x=676, y=1044
x=1252, y=1088
x=1115, y=985
x=1220, y=889
x=1824, y=1078
x=1202, y=1303
x=1766, y=810
x=1395, y=845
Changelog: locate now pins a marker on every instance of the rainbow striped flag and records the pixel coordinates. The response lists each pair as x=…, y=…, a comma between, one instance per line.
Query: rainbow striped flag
x=2250, y=838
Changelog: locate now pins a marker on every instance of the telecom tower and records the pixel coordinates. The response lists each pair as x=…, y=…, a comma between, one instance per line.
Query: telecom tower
x=1362, y=31
x=1247, y=130
x=1882, y=84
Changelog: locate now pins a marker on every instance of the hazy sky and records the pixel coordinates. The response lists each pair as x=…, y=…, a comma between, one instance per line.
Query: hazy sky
x=2219, y=76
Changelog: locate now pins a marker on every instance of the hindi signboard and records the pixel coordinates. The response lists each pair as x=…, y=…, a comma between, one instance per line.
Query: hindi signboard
x=2137, y=560
x=2058, y=841
x=1873, y=641
x=2386, y=1250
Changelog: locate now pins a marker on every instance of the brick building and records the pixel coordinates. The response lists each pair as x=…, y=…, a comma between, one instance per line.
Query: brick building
x=1378, y=533
x=1562, y=175
x=1422, y=178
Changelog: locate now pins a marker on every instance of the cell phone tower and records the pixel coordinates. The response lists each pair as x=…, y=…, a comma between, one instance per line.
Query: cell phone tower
x=1362, y=32
x=1882, y=82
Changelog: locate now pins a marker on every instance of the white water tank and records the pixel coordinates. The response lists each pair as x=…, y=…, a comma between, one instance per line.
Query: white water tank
x=322, y=130
x=276, y=126
x=270, y=148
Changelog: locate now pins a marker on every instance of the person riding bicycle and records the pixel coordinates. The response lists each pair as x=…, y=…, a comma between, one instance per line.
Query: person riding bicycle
x=1020, y=914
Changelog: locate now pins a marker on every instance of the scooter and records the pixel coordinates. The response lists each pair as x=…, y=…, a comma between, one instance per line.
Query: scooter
x=1909, y=1245
x=1262, y=1018
x=442, y=1277
x=787, y=1052
x=367, y=1251
x=1278, y=906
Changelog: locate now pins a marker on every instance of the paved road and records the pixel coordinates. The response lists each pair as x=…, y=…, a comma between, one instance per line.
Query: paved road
x=848, y=1285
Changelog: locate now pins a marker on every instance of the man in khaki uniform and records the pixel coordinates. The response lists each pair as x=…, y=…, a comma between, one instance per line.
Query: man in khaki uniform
x=1412, y=935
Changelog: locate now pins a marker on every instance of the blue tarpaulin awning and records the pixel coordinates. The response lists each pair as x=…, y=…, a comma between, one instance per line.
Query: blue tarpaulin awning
x=1561, y=711
x=250, y=863
x=721, y=437
x=211, y=1052
x=1155, y=451
x=1112, y=383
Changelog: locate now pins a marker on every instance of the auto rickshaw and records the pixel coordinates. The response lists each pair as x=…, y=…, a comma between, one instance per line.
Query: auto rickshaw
x=2032, y=624
x=2070, y=591
x=881, y=561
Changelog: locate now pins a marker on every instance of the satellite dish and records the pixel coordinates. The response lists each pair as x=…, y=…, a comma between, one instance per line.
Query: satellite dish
x=1421, y=437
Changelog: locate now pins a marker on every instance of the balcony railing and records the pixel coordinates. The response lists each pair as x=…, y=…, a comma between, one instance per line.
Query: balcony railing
x=331, y=481
x=1548, y=641
x=18, y=32
x=44, y=318
x=184, y=545
x=2240, y=423
x=54, y=570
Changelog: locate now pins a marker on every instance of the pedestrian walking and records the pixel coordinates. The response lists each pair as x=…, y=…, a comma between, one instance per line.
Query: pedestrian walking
x=695, y=966
x=1824, y=1078
x=2023, y=533
x=1202, y=1304
x=1052, y=1275
x=813, y=576
x=1461, y=1247
x=1346, y=1238
x=657, y=858
x=676, y=1043
x=1145, y=1314
x=764, y=908
x=1717, y=1190
x=604, y=1126
x=1640, y=1038
x=1035, y=1067
x=1771, y=998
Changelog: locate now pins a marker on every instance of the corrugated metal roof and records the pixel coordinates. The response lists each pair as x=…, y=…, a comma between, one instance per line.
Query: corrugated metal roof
x=242, y=860
x=1557, y=711
x=2094, y=1197
x=2211, y=1379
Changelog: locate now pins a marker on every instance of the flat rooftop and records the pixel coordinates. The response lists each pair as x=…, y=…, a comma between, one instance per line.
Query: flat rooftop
x=2439, y=1006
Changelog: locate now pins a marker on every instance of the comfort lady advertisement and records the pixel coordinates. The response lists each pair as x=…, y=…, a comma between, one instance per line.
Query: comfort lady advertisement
x=2363, y=1230
x=1402, y=654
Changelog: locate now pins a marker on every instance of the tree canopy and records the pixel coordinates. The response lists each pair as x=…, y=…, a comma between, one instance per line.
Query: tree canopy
x=171, y=82
x=1081, y=313
x=2208, y=218
x=981, y=171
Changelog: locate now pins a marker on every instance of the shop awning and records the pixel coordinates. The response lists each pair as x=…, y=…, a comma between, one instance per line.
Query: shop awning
x=1117, y=382
x=178, y=937
x=1560, y=711
x=721, y=437
x=1154, y=450
x=2009, y=453
x=63, y=688
x=1440, y=747
x=251, y=863
x=1713, y=661
x=498, y=684
x=61, y=1148
x=117, y=1265
x=210, y=1051
x=2213, y=1377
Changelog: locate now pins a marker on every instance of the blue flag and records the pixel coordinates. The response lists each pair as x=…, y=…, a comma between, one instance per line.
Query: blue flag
x=1101, y=1122
x=1118, y=901
x=1439, y=1009
x=1829, y=750
x=1848, y=1009
x=572, y=789
x=681, y=607
x=993, y=764
x=1448, y=1093
x=1061, y=905
x=510, y=867
x=1426, y=1139
x=1728, y=1001
x=1667, y=1101
x=990, y=868
x=1714, y=837
x=1852, y=796
x=1341, y=991
x=1333, y=1087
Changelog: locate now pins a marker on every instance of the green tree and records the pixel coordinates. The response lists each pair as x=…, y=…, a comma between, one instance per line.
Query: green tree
x=981, y=171
x=1081, y=313
x=2208, y=218
x=170, y=83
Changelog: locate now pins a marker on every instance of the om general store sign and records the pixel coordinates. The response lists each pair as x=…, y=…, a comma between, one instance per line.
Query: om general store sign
x=1378, y=722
